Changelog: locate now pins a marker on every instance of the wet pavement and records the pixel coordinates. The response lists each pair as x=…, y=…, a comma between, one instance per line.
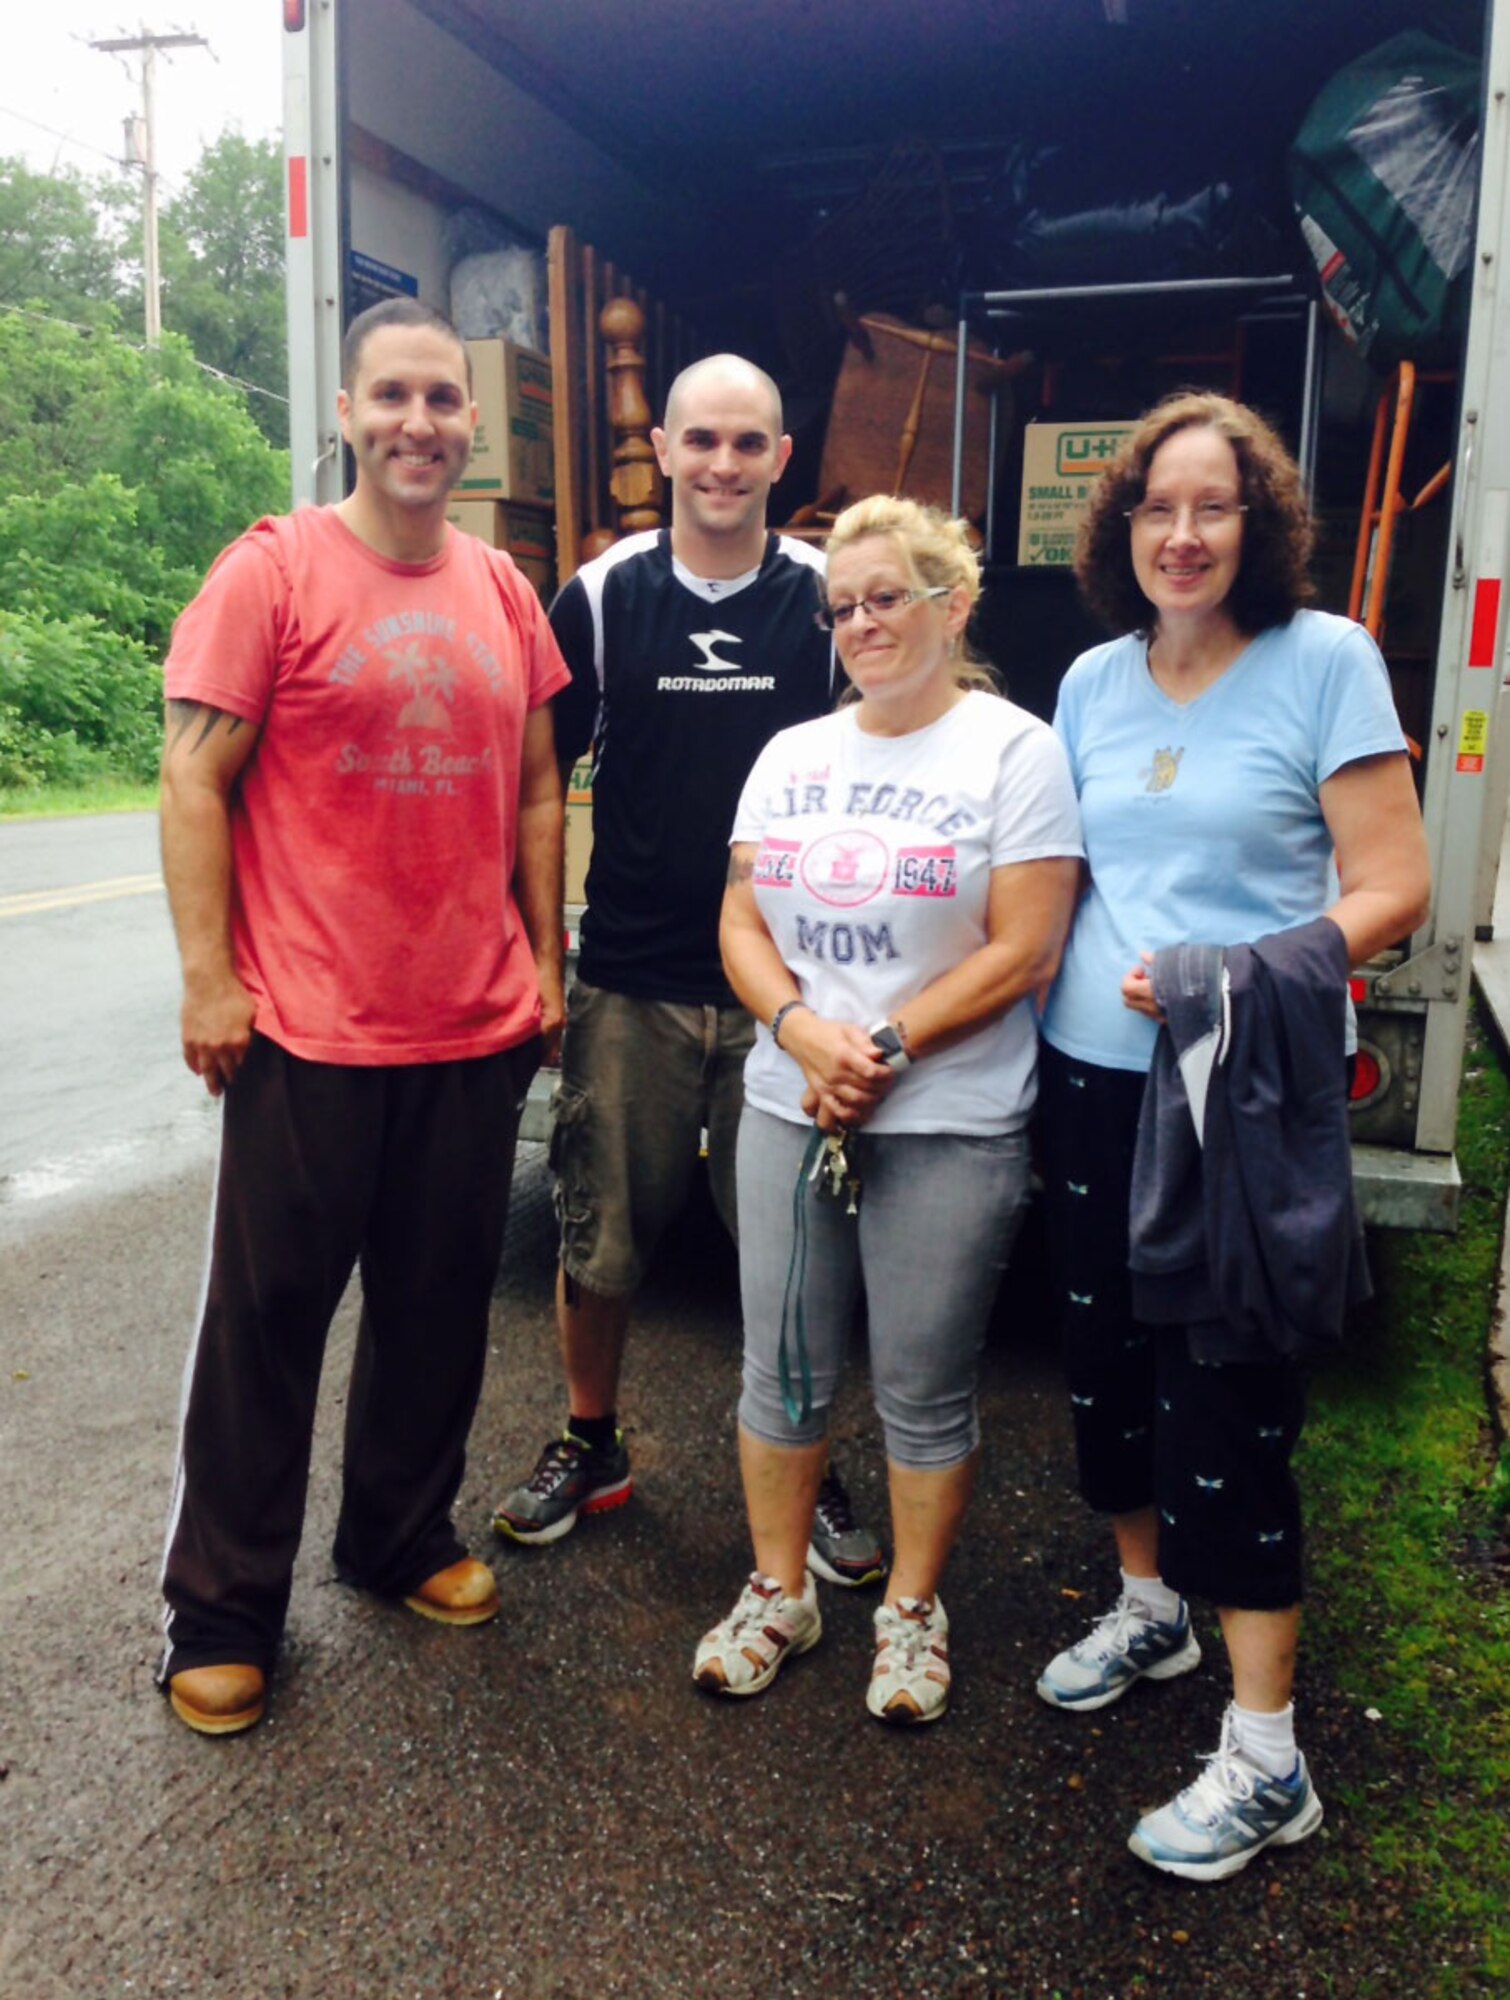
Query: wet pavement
x=94, y=1096
x=547, y=1806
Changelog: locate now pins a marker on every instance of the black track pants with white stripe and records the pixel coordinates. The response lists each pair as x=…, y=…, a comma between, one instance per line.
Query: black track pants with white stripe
x=405, y=1173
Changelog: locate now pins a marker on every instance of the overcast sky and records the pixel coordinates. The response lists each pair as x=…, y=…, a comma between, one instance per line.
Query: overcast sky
x=64, y=103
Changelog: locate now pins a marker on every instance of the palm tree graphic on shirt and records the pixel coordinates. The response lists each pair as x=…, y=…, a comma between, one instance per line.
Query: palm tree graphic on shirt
x=431, y=682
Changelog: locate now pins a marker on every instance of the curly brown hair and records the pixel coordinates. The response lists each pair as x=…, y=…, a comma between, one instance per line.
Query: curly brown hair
x=1273, y=578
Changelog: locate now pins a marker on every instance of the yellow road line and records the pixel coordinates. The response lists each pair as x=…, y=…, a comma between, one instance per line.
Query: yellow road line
x=30, y=901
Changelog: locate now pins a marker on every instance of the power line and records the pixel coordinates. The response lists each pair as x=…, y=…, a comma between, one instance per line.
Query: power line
x=53, y=133
x=137, y=347
x=172, y=182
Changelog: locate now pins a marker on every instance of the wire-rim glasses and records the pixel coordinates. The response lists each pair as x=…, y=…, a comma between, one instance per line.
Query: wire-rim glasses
x=1209, y=516
x=880, y=604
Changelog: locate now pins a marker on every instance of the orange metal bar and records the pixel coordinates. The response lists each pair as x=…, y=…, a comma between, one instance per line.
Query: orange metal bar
x=1432, y=487
x=1390, y=503
x=1370, y=506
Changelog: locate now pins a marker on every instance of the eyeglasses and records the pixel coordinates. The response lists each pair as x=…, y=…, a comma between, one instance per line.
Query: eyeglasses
x=1208, y=515
x=879, y=604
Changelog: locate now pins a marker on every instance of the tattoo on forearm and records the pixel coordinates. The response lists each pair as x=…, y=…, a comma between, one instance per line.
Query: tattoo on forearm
x=182, y=716
x=741, y=868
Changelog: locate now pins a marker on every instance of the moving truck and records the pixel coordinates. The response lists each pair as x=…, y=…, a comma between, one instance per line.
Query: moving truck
x=755, y=163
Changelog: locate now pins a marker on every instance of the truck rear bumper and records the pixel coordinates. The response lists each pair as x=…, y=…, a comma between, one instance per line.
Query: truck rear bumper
x=1399, y=1190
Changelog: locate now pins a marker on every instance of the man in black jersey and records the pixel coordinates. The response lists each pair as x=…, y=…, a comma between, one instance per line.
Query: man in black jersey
x=688, y=648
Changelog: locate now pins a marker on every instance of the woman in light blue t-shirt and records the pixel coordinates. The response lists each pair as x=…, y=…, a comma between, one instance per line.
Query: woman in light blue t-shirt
x=1228, y=750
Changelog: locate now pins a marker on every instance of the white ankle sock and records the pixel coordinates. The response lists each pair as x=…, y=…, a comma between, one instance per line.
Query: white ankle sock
x=1163, y=1602
x=1268, y=1739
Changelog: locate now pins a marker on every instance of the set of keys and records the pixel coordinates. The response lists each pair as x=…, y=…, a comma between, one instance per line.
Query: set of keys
x=833, y=1173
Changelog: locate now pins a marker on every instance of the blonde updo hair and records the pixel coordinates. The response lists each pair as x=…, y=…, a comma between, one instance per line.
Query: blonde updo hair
x=938, y=553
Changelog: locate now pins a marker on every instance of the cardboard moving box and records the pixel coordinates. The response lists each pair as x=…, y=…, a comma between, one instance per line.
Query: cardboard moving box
x=513, y=453
x=528, y=533
x=1060, y=465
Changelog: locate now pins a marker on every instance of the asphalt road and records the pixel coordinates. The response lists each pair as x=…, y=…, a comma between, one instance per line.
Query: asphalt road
x=93, y=1090
x=547, y=1806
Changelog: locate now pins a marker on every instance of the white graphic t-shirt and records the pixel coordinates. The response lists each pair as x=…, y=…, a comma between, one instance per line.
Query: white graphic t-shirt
x=874, y=862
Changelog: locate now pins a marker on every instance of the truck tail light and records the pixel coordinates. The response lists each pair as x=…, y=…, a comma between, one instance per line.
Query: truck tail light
x=1367, y=1076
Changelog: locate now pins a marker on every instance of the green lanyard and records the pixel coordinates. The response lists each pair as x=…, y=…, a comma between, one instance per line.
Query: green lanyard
x=826, y=1170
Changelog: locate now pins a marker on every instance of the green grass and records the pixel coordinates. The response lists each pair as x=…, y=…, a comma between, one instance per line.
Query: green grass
x=1411, y=1500
x=103, y=795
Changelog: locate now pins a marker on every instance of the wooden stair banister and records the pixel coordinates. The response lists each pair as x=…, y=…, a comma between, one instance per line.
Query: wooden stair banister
x=635, y=483
x=607, y=479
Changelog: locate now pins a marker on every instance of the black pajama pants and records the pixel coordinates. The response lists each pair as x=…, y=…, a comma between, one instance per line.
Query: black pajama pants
x=403, y=1172
x=1208, y=1444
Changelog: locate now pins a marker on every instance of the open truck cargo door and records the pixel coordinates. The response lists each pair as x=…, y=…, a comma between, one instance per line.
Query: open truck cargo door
x=730, y=159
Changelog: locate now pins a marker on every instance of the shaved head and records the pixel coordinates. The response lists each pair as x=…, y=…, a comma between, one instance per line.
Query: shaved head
x=721, y=451
x=719, y=372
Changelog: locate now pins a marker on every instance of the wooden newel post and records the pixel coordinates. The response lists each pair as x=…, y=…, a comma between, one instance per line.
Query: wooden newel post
x=636, y=483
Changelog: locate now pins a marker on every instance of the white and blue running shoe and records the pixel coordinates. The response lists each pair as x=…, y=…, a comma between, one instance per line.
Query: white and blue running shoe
x=1233, y=1811
x=1126, y=1645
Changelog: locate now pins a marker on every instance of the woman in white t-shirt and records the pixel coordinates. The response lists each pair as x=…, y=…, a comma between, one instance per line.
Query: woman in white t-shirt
x=901, y=880
x=1227, y=748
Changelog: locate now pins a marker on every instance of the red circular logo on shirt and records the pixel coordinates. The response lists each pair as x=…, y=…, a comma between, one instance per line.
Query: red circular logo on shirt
x=846, y=868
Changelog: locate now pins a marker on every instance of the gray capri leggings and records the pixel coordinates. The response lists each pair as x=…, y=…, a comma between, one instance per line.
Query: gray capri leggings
x=938, y=1216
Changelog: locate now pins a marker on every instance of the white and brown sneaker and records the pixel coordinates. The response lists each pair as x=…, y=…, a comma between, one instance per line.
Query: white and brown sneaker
x=909, y=1681
x=746, y=1652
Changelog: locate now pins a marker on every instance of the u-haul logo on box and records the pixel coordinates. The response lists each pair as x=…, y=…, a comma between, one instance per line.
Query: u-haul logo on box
x=1082, y=452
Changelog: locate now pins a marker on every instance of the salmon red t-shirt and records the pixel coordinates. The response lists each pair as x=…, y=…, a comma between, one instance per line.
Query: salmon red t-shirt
x=373, y=829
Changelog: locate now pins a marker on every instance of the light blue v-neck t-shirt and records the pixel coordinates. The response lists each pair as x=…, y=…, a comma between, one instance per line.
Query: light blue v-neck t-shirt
x=1202, y=820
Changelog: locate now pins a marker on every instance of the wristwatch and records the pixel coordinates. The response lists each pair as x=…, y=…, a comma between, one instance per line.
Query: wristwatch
x=888, y=1040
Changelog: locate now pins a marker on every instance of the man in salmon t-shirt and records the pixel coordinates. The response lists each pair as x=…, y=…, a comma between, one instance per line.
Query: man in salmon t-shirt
x=361, y=828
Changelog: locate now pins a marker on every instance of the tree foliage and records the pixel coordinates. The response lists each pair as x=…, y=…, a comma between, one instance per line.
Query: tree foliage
x=222, y=248
x=112, y=455
x=123, y=473
x=71, y=247
x=57, y=243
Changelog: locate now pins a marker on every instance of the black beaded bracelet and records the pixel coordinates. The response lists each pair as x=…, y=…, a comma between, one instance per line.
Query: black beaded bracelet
x=780, y=1015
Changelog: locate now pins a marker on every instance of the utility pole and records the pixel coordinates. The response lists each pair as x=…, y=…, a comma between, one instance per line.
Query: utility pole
x=142, y=148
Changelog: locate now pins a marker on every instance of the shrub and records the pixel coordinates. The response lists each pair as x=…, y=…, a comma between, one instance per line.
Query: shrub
x=76, y=700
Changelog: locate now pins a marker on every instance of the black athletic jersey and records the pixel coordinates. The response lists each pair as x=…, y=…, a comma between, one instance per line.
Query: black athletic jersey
x=678, y=682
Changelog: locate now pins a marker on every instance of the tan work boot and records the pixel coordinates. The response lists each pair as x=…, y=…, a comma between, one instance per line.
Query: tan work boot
x=219, y=1701
x=464, y=1594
